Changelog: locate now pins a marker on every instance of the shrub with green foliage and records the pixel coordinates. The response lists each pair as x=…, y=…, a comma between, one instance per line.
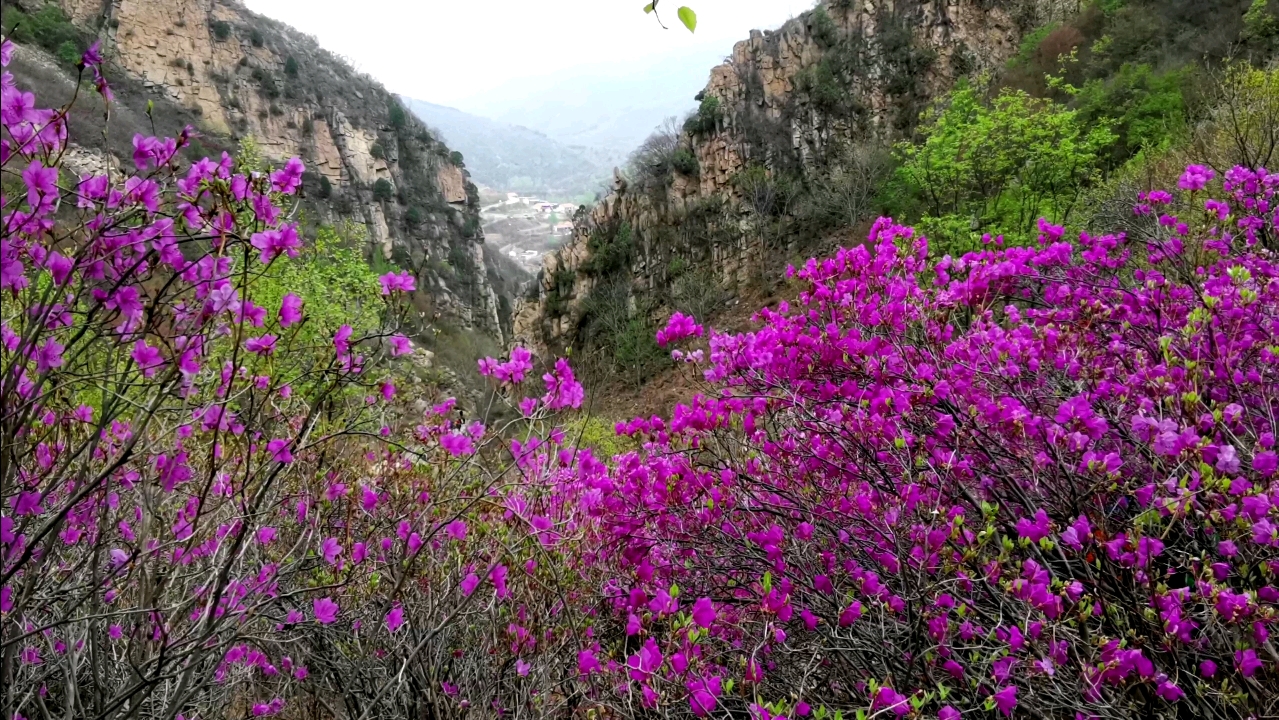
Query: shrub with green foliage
x=382, y=190
x=461, y=260
x=707, y=117
x=266, y=83
x=821, y=83
x=1261, y=21
x=1242, y=128
x=1147, y=108
x=398, y=116
x=290, y=66
x=823, y=27
x=456, y=158
x=618, y=335
x=1030, y=44
x=684, y=161
x=611, y=251
x=49, y=28
x=997, y=166
x=221, y=29
x=339, y=286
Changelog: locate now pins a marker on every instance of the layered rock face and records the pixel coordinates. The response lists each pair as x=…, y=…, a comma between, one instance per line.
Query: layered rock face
x=244, y=75
x=786, y=101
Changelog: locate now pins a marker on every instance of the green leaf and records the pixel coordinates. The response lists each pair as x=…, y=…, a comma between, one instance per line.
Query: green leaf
x=688, y=17
x=649, y=7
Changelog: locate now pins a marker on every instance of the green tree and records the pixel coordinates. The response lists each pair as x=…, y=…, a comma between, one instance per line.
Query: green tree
x=331, y=274
x=382, y=190
x=998, y=166
x=1260, y=21
x=398, y=115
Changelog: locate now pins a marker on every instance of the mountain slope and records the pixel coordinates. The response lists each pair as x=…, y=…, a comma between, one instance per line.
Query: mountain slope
x=239, y=76
x=513, y=157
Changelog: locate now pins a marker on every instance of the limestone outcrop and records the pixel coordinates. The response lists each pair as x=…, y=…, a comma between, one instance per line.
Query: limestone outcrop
x=246, y=76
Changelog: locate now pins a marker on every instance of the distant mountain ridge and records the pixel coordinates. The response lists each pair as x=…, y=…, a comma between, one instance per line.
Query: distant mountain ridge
x=613, y=106
x=511, y=157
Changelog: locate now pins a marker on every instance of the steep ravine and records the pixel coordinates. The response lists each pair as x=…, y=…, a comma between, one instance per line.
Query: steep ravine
x=787, y=101
x=240, y=75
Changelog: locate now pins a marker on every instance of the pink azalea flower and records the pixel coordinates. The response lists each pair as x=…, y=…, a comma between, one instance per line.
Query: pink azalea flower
x=330, y=550
x=147, y=358
x=1247, y=662
x=48, y=356
x=1196, y=177
x=326, y=611
x=703, y=695
x=850, y=614
x=456, y=529
x=290, y=310
x=288, y=178
x=890, y=699
x=400, y=345
x=368, y=498
x=1006, y=700
x=341, y=338
x=395, y=619
x=261, y=345
x=587, y=663
x=679, y=327
x=704, y=612
x=1169, y=691
x=469, y=583
x=273, y=243
x=457, y=444
x=279, y=449
x=397, y=282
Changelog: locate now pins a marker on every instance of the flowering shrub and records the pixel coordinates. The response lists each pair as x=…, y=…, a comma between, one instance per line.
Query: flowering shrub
x=208, y=499
x=1029, y=481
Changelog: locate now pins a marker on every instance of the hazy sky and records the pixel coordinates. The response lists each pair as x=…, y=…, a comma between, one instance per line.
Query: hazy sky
x=453, y=51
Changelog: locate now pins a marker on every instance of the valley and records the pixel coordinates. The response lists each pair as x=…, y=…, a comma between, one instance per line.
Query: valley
x=904, y=360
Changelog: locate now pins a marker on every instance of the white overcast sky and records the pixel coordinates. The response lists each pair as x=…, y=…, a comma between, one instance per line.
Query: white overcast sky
x=452, y=51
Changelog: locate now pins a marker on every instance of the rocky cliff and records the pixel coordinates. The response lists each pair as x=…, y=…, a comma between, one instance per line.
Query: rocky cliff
x=240, y=75
x=787, y=103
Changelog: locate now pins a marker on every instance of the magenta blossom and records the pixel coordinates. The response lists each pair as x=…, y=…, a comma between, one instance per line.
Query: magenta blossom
x=679, y=327
x=326, y=611
x=290, y=310
x=261, y=345
x=397, y=282
x=704, y=612
x=703, y=695
x=400, y=345
x=279, y=450
x=395, y=619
